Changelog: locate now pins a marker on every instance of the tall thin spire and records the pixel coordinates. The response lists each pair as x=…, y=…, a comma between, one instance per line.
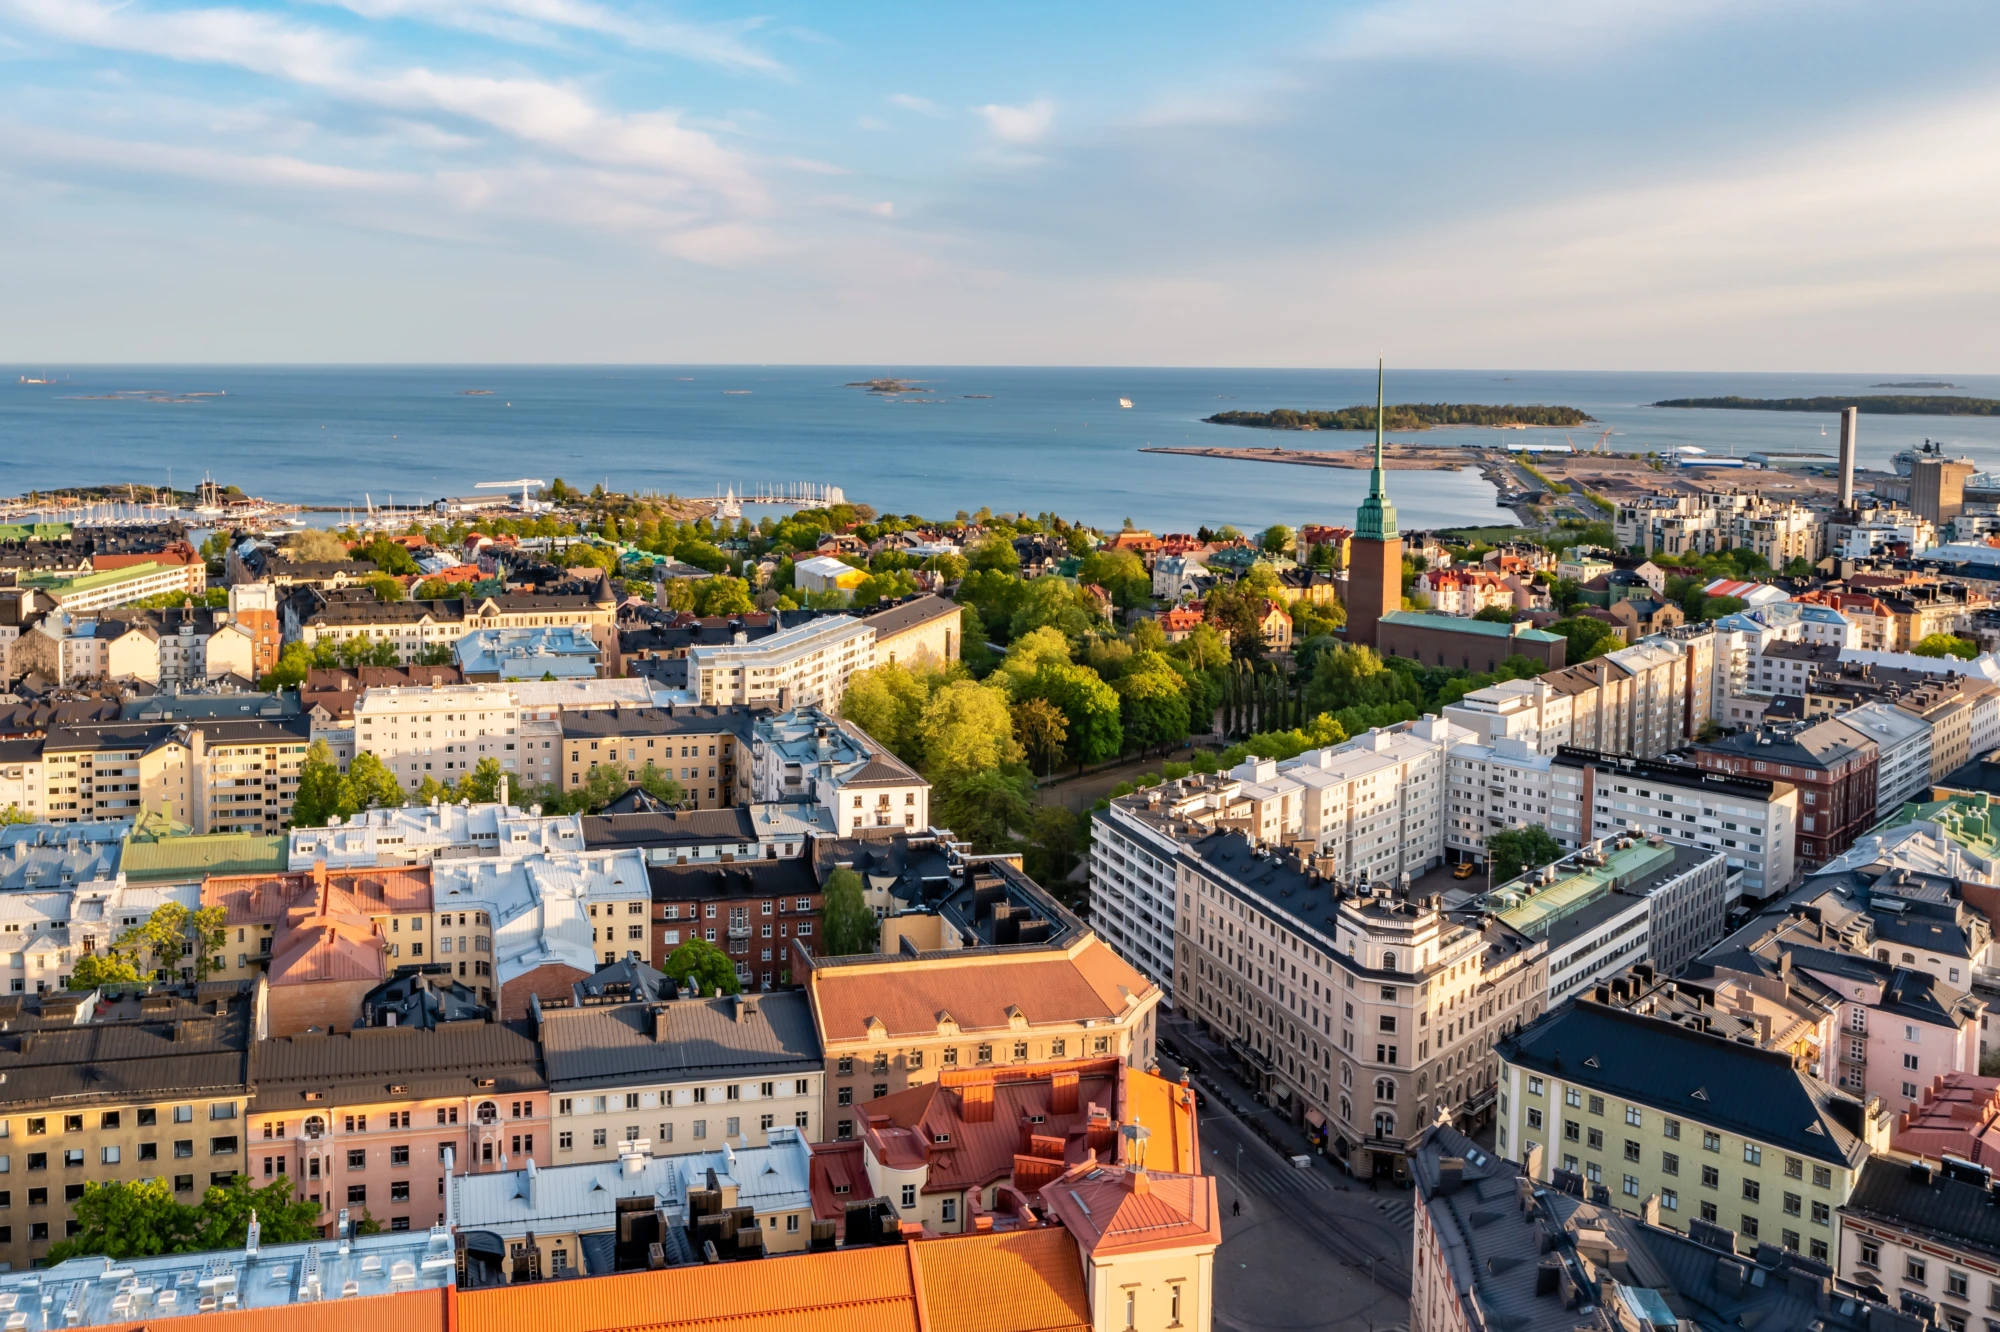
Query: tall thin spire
x=1377, y=519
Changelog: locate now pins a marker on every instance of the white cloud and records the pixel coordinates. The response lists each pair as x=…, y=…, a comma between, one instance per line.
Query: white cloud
x=1019, y=124
x=923, y=106
x=538, y=21
x=1540, y=30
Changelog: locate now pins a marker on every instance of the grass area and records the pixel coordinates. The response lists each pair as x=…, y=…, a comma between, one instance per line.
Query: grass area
x=1555, y=487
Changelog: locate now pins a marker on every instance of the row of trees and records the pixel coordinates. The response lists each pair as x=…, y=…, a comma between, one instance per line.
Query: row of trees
x=325, y=792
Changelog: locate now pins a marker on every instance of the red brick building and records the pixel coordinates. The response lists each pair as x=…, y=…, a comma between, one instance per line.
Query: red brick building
x=1832, y=764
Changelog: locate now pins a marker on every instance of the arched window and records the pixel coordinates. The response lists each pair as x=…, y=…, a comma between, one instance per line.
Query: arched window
x=487, y=1113
x=1909, y=957
x=315, y=1127
x=1385, y=1089
x=1385, y=1124
x=1389, y=961
x=1346, y=1074
x=1346, y=1111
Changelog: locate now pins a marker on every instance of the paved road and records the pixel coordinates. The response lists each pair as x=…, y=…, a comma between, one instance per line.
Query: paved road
x=1303, y=1249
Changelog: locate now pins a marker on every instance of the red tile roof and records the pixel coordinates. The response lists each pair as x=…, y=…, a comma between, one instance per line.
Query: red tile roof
x=1959, y=1116
x=1008, y=1281
x=1111, y=1210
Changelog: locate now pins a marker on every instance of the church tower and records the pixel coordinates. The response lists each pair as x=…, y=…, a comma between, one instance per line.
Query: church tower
x=1375, y=564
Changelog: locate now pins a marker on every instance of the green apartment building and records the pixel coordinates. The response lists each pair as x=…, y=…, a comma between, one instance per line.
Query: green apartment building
x=1647, y=1107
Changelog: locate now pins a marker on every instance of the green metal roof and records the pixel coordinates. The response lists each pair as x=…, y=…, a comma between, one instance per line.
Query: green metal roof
x=33, y=531
x=58, y=583
x=1540, y=908
x=190, y=859
x=1459, y=624
x=1972, y=820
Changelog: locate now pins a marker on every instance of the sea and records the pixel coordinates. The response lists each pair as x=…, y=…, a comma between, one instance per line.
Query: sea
x=966, y=437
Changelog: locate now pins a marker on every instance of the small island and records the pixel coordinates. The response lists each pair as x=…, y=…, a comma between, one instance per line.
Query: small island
x=1405, y=416
x=1918, y=383
x=886, y=385
x=1870, y=405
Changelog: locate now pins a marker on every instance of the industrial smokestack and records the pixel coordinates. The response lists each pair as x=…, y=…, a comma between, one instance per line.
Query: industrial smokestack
x=1850, y=427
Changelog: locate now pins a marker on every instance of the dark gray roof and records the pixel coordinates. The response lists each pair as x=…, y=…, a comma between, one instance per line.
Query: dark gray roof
x=1949, y=1211
x=619, y=722
x=181, y=1043
x=790, y=877
x=910, y=612
x=745, y=1036
x=371, y=1063
x=1710, y=1079
x=1820, y=746
x=681, y=827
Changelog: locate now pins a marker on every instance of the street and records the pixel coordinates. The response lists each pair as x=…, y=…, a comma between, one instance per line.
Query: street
x=1310, y=1248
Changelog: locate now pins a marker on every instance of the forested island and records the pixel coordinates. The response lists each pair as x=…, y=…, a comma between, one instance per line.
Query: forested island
x=1883, y=404
x=1405, y=416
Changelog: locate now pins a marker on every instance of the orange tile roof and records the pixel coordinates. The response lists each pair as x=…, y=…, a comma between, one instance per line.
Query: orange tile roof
x=846, y=1290
x=1110, y=1210
x=1008, y=1281
x=265, y=899
x=1959, y=1116
x=1166, y=1110
x=910, y=998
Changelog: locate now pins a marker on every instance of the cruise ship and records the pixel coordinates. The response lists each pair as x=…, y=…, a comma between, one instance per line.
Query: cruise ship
x=1906, y=461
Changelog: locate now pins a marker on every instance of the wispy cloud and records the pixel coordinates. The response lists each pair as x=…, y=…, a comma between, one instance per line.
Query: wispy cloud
x=1019, y=124
x=538, y=21
x=923, y=106
x=1541, y=30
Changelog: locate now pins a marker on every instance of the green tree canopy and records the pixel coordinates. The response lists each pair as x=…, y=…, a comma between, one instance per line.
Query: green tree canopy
x=698, y=963
x=1587, y=637
x=1042, y=730
x=141, y=1218
x=1029, y=653
x=1515, y=850
x=723, y=596
x=1946, y=645
x=1089, y=706
x=850, y=925
x=966, y=727
x=95, y=969
x=1153, y=707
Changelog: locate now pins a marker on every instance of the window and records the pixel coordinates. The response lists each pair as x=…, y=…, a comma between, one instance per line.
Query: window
x=1632, y=1116
x=1597, y=1105
x=1871, y=1253
x=1631, y=1150
x=948, y=1210
x=1572, y=1131
x=1752, y=1191
x=1913, y=1270
x=1534, y=1117
x=1822, y=1214
x=1822, y=1177
x=357, y=1160
x=1631, y=1186
x=909, y=1196
x=1749, y=1226
x=1794, y=1168
x=357, y=1194
x=1596, y=1140
x=1753, y=1154
x=1572, y=1097
x=1710, y=1177
x=1672, y=1128
x=1955, y=1284
x=1670, y=1200
x=565, y=1142
x=1534, y=1086
x=598, y=1136
x=1794, y=1206
x=1711, y=1142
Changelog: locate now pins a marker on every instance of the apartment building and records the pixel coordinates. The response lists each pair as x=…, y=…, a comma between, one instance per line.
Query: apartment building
x=553, y=652
x=1724, y=1133
x=413, y=626
x=1615, y=904
x=418, y=834
x=1903, y=742
x=809, y=754
x=1132, y=848
x=912, y=630
x=1644, y=700
x=1963, y=715
x=1532, y=711
x=98, y=1089
x=1496, y=788
x=1919, y=610
x=440, y=731
x=629, y=1063
x=1833, y=765
x=1707, y=523
x=750, y=909
x=807, y=664
x=1364, y=1030
x=705, y=749
x=1929, y=1234
x=1018, y=980
x=1751, y=821
x=374, y=1122
x=234, y=775
x=1900, y=1026
x=100, y=589
x=708, y=836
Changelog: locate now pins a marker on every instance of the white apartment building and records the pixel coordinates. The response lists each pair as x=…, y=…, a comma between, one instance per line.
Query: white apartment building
x=1705, y=524
x=1494, y=788
x=439, y=731
x=807, y=754
x=1753, y=823
x=1527, y=710
x=1903, y=771
x=1132, y=851
x=807, y=664
x=419, y=834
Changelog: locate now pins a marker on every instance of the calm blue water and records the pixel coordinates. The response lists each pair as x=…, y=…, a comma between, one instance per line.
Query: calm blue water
x=1044, y=439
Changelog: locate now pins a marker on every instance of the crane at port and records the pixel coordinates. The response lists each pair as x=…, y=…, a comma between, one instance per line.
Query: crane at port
x=527, y=493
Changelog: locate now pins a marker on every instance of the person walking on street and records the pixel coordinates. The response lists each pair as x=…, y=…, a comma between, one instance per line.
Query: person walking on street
x=1236, y=1207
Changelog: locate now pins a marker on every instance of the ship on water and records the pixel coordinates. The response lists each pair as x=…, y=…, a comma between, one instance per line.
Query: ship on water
x=1906, y=461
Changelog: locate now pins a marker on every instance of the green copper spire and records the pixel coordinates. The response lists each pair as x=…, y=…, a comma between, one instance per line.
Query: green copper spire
x=1377, y=519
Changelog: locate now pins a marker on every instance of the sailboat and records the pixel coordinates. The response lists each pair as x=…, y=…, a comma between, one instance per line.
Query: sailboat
x=1124, y=402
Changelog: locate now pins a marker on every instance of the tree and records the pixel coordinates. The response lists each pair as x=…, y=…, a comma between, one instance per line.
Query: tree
x=887, y=586
x=141, y=1218
x=321, y=793
x=1089, y=706
x=1041, y=728
x=1946, y=645
x=723, y=596
x=95, y=969
x=15, y=814
x=1495, y=614
x=995, y=553
x=966, y=728
x=887, y=702
x=481, y=785
x=1352, y=675
x=701, y=965
x=1516, y=849
x=391, y=557
x=172, y=933
x=370, y=785
x=1587, y=637
x=983, y=807
x=655, y=782
x=316, y=546
x=1153, y=708
x=434, y=654
x=850, y=925
x=1121, y=574
x=1275, y=539
x=1030, y=652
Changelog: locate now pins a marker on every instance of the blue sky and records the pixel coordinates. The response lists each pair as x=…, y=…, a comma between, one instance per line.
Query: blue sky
x=1635, y=184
